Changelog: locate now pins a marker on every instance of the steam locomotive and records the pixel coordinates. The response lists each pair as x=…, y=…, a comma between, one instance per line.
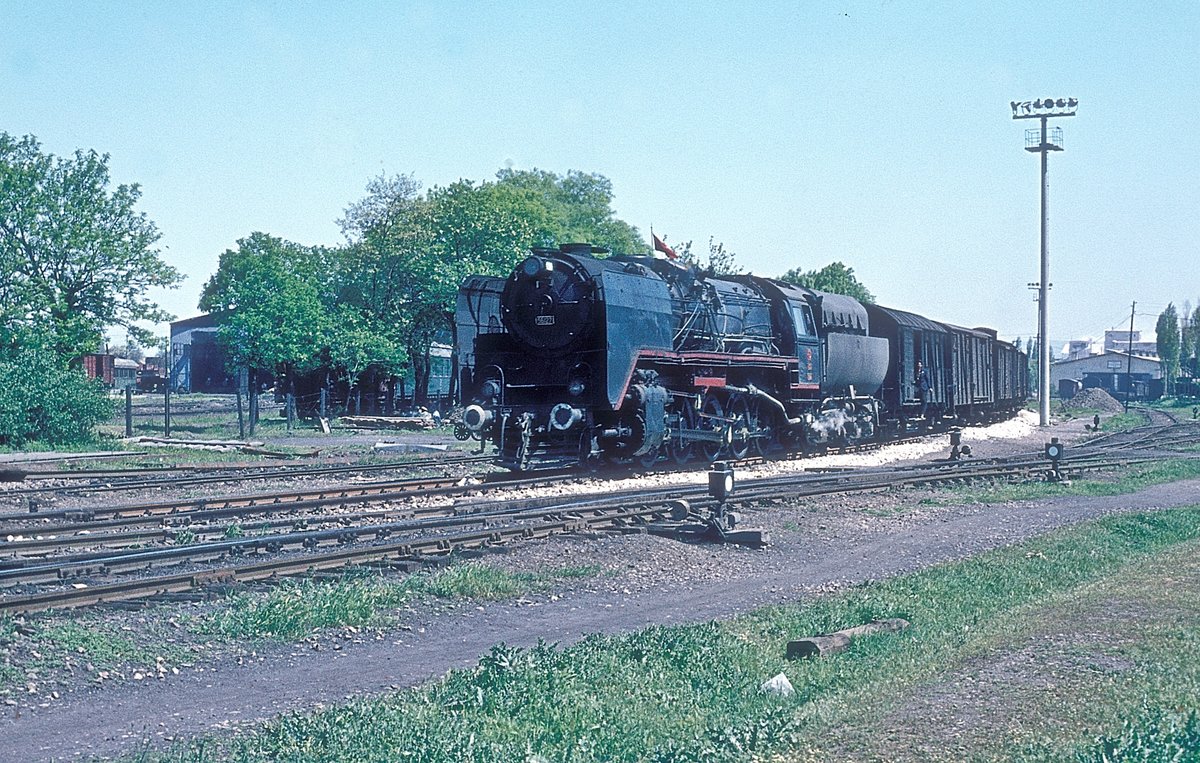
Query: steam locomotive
x=578, y=359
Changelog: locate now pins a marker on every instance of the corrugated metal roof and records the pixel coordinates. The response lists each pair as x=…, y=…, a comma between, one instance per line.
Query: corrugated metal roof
x=911, y=320
x=843, y=311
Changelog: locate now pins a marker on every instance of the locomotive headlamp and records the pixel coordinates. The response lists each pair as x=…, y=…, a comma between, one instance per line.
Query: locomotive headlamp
x=530, y=266
x=491, y=388
x=720, y=481
x=576, y=387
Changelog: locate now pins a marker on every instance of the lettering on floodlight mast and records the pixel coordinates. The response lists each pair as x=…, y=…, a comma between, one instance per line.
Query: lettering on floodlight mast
x=1044, y=107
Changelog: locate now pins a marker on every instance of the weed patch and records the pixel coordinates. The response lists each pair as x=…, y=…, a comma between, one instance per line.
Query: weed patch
x=296, y=608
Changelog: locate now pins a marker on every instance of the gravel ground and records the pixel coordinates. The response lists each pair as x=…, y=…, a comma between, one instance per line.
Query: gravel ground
x=817, y=545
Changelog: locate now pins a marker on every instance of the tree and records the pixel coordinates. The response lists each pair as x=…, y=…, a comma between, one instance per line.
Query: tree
x=571, y=208
x=271, y=291
x=44, y=399
x=721, y=261
x=1189, y=339
x=1167, y=336
x=75, y=255
x=835, y=278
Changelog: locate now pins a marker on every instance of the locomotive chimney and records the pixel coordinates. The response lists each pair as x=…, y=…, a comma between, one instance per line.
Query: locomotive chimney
x=577, y=249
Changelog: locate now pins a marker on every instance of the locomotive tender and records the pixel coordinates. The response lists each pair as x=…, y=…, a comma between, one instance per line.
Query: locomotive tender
x=627, y=359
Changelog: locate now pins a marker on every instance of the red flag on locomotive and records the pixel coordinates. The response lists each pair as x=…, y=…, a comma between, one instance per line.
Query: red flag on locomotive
x=661, y=246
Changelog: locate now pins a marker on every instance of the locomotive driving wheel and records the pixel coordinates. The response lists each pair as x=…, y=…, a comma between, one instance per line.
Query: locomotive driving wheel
x=765, y=422
x=742, y=427
x=712, y=418
x=679, y=447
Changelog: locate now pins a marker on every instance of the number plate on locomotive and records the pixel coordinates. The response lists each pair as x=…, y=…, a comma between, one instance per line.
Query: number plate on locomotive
x=543, y=320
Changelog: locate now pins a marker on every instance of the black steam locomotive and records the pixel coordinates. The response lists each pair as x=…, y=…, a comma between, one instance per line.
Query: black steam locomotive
x=628, y=359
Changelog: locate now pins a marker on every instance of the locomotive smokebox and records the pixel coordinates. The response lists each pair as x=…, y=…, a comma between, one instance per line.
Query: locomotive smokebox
x=548, y=302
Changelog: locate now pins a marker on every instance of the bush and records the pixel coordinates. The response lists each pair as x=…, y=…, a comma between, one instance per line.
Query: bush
x=44, y=400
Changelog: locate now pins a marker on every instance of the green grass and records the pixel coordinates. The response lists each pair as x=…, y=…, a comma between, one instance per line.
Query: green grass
x=691, y=693
x=297, y=608
x=1134, y=478
x=1122, y=422
x=1155, y=735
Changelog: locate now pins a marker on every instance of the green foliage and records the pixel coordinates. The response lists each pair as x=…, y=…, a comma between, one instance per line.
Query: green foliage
x=270, y=293
x=720, y=262
x=1131, y=480
x=692, y=693
x=44, y=400
x=1167, y=336
x=75, y=255
x=571, y=208
x=1190, y=343
x=1155, y=735
x=835, y=278
x=297, y=608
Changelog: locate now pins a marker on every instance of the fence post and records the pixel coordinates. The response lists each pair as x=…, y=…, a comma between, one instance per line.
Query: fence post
x=241, y=385
x=129, y=412
x=289, y=402
x=167, y=409
x=252, y=391
x=324, y=402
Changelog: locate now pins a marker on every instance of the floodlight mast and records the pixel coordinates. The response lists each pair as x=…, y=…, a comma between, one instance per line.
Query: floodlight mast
x=1047, y=141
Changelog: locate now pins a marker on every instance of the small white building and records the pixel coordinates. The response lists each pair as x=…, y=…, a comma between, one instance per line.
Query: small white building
x=125, y=373
x=1108, y=370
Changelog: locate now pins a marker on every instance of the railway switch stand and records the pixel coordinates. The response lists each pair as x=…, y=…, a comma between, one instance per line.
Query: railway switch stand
x=958, y=451
x=1054, y=452
x=720, y=487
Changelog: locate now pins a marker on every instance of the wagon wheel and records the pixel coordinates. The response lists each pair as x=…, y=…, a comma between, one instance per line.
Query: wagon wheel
x=679, y=448
x=711, y=418
x=739, y=411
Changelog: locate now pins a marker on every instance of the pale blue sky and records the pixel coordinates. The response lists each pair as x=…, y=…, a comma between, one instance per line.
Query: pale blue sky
x=876, y=132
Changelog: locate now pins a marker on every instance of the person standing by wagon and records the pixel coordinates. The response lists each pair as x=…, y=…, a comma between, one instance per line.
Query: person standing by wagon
x=921, y=381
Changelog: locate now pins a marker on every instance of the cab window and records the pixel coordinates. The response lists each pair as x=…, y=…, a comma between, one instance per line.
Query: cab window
x=802, y=315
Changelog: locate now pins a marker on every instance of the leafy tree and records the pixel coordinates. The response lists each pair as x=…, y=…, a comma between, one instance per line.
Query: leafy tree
x=835, y=278
x=1189, y=340
x=721, y=261
x=1167, y=336
x=45, y=399
x=271, y=291
x=571, y=208
x=75, y=254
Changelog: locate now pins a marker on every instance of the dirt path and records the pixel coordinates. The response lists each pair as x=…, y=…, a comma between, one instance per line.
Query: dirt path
x=109, y=721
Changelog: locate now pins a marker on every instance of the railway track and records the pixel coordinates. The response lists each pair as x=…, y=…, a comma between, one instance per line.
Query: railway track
x=136, y=479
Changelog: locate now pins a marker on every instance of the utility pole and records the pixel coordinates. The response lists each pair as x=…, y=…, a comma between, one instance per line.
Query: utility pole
x=1043, y=142
x=1129, y=359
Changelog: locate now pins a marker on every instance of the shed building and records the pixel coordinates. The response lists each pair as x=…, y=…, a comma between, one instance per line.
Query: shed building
x=198, y=363
x=1111, y=371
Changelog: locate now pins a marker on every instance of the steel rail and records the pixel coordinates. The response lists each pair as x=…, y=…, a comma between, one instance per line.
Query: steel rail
x=412, y=549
